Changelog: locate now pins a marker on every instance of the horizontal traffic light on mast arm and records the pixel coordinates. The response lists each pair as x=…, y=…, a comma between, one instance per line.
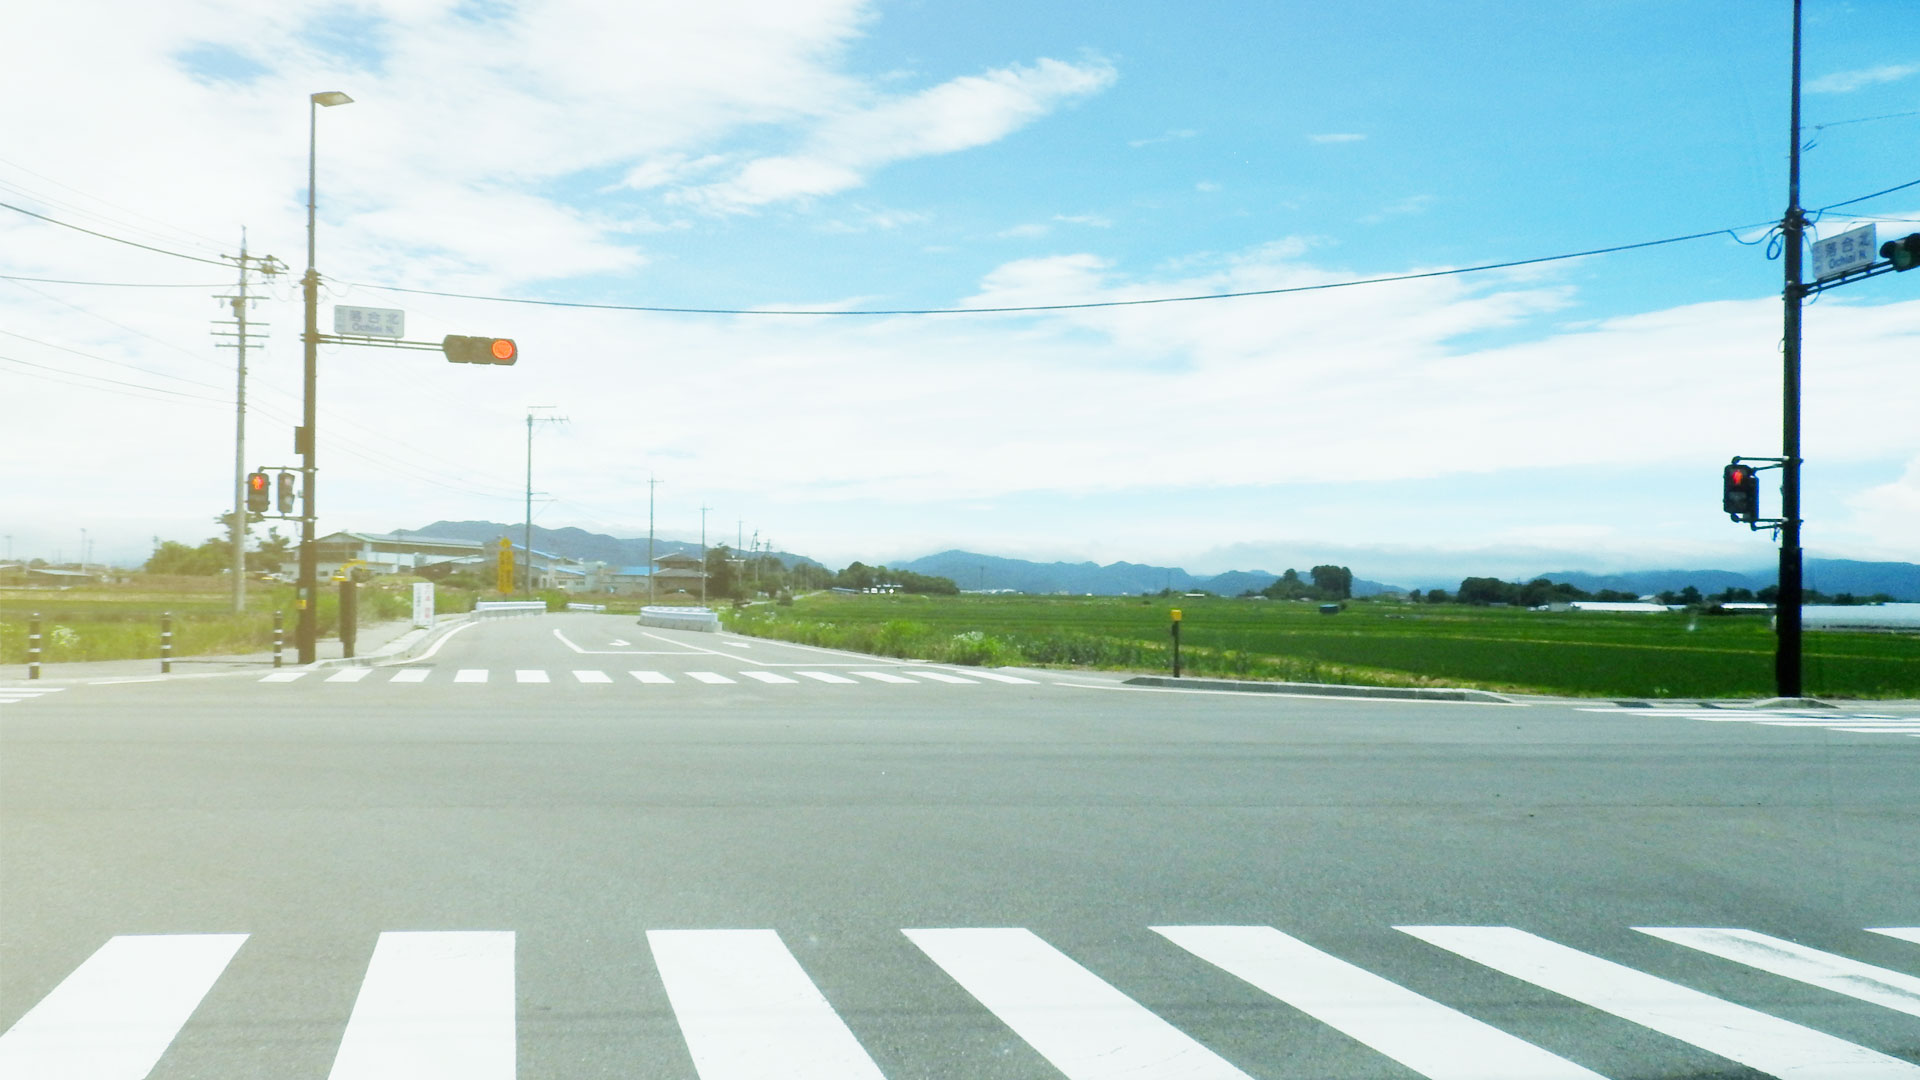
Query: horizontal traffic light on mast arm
x=462, y=349
x=1903, y=253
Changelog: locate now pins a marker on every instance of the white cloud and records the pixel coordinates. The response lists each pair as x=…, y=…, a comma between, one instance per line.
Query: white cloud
x=960, y=114
x=1344, y=137
x=1025, y=230
x=1206, y=185
x=1416, y=204
x=1094, y=221
x=1844, y=82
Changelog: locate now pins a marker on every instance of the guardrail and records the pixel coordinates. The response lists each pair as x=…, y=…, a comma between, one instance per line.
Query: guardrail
x=495, y=609
x=586, y=607
x=680, y=618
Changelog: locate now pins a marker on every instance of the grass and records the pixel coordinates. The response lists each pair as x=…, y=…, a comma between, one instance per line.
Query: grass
x=1679, y=654
x=122, y=621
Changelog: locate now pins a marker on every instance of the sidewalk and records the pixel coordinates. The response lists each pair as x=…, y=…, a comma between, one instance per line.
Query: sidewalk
x=376, y=643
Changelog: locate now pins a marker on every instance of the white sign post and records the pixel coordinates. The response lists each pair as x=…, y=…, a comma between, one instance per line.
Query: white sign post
x=1851, y=250
x=369, y=321
x=423, y=604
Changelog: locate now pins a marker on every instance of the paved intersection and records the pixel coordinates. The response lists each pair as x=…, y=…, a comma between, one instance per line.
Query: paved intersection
x=1060, y=876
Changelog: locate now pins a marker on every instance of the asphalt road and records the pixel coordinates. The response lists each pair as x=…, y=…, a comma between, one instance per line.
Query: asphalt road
x=526, y=859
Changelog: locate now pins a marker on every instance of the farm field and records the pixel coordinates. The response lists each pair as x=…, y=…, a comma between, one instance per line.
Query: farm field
x=1678, y=654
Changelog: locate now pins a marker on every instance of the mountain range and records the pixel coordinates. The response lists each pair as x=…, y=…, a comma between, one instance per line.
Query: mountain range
x=974, y=571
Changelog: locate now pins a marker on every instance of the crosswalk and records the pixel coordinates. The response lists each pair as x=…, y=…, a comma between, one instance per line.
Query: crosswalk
x=442, y=1005
x=12, y=694
x=1854, y=722
x=899, y=676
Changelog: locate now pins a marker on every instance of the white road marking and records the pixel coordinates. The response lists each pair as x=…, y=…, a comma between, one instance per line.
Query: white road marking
x=470, y=675
x=284, y=676
x=434, y=1006
x=825, y=676
x=1825, y=970
x=350, y=674
x=883, y=676
x=1754, y=1039
x=1085, y=1027
x=997, y=677
x=593, y=676
x=411, y=674
x=620, y=644
x=767, y=677
x=650, y=676
x=712, y=677
x=526, y=675
x=749, y=1012
x=568, y=642
x=738, y=644
x=116, y=1014
x=1904, y=933
x=941, y=676
x=1430, y=1038
x=428, y=655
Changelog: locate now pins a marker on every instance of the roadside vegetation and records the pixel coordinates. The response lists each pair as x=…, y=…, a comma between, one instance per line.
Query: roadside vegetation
x=1369, y=642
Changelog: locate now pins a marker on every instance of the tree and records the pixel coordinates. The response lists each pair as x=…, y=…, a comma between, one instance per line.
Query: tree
x=1333, y=582
x=1413, y=597
x=1288, y=587
x=723, y=574
x=1486, y=590
x=1437, y=596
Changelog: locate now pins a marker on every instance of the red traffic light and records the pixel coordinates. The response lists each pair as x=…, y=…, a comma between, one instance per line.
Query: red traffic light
x=1740, y=493
x=257, y=493
x=466, y=349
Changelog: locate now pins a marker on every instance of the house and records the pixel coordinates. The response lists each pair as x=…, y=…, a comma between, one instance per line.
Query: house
x=678, y=571
x=388, y=553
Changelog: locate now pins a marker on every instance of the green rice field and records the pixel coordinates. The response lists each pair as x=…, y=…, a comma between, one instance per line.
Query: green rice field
x=1597, y=654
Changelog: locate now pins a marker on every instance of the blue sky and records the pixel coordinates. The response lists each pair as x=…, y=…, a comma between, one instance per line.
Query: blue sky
x=842, y=154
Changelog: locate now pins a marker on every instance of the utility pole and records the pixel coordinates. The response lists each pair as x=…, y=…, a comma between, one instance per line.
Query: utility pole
x=527, y=578
x=703, y=553
x=651, y=567
x=1786, y=660
x=240, y=302
x=306, y=631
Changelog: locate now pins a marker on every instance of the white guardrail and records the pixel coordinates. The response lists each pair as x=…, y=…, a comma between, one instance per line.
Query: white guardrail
x=586, y=607
x=494, y=609
x=680, y=618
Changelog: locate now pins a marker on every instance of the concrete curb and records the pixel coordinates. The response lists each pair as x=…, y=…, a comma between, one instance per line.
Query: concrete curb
x=406, y=646
x=1411, y=693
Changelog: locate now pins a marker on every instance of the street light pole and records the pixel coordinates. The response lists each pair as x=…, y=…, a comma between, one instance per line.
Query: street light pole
x=307, y=603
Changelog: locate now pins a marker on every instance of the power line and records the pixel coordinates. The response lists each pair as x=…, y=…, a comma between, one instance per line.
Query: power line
x=1015, y=309
x=115, y=239
x=103, y=378
x=110, y=360
x=115, y=284
x=1864, y=198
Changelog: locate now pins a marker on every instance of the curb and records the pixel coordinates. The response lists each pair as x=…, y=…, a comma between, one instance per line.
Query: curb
x=404, y=647
x=1414, y=693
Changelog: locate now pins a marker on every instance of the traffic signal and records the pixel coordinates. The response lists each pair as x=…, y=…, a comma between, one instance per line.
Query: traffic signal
x=462, y=349
x=286, y=493
x=257, y=493
x=1740, y=492
x=1904, y=253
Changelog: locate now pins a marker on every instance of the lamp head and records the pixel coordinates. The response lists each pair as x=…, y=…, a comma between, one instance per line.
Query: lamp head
x=331, y=97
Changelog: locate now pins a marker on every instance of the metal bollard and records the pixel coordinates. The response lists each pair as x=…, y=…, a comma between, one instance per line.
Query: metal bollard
x=278, y=637
x=1176, y=643
x=33, y=647
x=166, y=642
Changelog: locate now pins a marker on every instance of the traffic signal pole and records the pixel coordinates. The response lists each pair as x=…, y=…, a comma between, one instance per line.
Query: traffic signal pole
x=1786, y=660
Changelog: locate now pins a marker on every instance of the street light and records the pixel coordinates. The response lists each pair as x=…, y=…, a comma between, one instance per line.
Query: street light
x=308, y=600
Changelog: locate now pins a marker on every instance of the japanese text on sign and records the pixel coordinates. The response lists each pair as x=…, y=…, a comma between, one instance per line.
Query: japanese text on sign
x=369, y=321
x=1850, y=250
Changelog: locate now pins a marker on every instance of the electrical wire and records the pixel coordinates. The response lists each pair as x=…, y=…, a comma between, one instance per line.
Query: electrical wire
x=103, y=378
x=117, y=284
x=115, y=239
x=110, y=360
x=187, y=234
x=1875, y=195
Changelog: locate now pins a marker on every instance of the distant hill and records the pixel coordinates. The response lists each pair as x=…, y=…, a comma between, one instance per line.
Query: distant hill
x=973, y=571
x=576, y=543
x=1899, y=580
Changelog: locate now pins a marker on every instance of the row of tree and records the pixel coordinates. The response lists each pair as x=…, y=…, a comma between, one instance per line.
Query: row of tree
x=214, y=555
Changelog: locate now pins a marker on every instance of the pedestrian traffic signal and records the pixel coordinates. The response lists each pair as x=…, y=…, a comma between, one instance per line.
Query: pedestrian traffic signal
x=1740, y=492
x=257, y=493
x=286, y=493
x=1903, y=253
x=462, y=349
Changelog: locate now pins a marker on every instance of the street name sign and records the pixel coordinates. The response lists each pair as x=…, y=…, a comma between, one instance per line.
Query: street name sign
x=1836, y=255
x=369, y=321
